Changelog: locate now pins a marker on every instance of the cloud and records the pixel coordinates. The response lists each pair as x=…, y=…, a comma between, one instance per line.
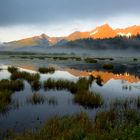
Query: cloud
x=17, y=12
x=24, y=18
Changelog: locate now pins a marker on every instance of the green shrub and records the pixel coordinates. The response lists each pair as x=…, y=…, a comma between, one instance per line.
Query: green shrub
x=5, y=100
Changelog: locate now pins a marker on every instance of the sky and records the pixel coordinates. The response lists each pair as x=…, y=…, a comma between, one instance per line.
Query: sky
x=24, y=18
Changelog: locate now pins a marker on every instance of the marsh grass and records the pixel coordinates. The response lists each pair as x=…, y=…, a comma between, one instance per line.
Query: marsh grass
x=88, y=99
x=82, y=84
x=66, y=128
x=108, y=66
x=36, y=85
x=11, y=85
x=90, y=60
x=133, y=102
x=44, y=70
x=105, y=120
x=36, y=99
x=25, y=76
x=67, y=58
x=57, y=84
x=5, y=100
x=108, y=120
x=105, y=126
x=138, y=102
x=80, y=89
x=12, y=69
x=52, y=101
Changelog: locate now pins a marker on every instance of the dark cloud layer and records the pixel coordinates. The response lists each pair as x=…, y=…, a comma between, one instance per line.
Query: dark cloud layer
x=16, y=12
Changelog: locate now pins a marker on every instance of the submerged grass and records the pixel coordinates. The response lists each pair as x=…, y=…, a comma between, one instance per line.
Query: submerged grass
x=11, y=85
x=26, y=76
x=36, y=85
x=46, y=70
x=80, y=89
x=5, y=100
x=108, y=66
x=88, y=99
x=138, y=102
x=81, y=84
x=57, y=84
x=8, y=87
x=90, y=60
x=107, y=125
x=12, y=69
x=52, y=101
x=36, y=98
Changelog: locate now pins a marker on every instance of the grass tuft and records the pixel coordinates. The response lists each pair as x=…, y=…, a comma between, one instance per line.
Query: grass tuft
x=12, y=69
x=11, y=85
x=88, y=99
x=25, y=76
x=36, y=98
x=108, y=66
x=46, y=70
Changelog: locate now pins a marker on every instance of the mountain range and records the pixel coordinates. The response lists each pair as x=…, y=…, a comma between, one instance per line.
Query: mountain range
x=100, y=32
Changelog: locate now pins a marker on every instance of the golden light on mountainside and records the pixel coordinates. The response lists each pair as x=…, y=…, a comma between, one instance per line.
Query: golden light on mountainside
x=100, y=32
x=104, y=31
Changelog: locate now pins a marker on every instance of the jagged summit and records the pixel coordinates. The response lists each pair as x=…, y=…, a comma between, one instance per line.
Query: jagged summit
x=101, y=32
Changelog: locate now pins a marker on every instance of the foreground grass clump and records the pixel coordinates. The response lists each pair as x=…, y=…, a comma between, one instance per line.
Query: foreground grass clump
x=5, y=99
x=105, y=120
x=66, y=128
x=138, y=102
x=81, y=84
x=36, y=98
x=79, y=88
x=12, y=69
x=107, y=125
x=108, y=66
x=11, y=85
x=46, y=70
x=26, y=76
x=36, y=85
x=90, y=60
x=52, y=101
x=88, y=99
x=57, y=84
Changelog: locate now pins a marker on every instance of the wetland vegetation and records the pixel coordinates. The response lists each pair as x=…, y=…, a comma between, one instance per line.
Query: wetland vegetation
x=79, y=106
x=107, y=125
x=44, y=70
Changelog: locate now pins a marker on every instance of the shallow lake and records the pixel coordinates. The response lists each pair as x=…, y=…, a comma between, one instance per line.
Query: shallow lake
x=21, y=114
